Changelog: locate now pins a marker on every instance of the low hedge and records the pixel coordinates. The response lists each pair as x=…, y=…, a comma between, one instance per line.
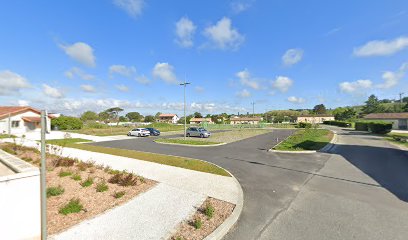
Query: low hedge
x=338, y=123
x=66, y=123
x=379, y=127
x=304, y=125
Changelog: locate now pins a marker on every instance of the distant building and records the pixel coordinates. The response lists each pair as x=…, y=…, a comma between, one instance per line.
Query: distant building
x=201, y=120
x=320, y=118
x=17, y=120
x=245, y=120
x=399, y=120
x=168, y=118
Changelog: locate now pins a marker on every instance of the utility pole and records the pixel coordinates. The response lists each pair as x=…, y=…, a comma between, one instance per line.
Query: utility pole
x=401, y=94
x=253, y=108
x=185, y=120
x=43, y=172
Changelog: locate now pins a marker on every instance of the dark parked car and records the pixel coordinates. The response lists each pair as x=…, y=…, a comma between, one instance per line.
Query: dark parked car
x=153, y=131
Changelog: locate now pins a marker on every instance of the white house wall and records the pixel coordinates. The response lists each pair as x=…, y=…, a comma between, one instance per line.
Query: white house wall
x=22, y=128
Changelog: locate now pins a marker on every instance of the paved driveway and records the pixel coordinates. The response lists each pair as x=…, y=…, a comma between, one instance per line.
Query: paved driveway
x=356, y=192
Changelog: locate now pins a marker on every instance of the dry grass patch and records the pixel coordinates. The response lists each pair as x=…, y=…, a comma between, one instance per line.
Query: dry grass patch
x=209, y=216
x=68, y=202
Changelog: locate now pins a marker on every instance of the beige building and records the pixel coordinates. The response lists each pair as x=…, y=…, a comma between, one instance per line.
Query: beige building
x=245, y=120
x=399, y=120
x=201, y=120
x=168, y=118
x=315, y=118
x=20, y=120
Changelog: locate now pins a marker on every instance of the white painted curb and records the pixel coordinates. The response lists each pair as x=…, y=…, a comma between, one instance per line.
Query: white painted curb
x=190, y=145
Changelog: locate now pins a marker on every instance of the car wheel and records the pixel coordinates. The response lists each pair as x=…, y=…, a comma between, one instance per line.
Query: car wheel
x=188, y=135
x=201, y=135
x=138, y=134
x=128, y=134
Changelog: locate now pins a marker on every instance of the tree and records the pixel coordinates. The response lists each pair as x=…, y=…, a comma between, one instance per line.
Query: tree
x=149, y=118
x=406, y=107
x=89, y=116
x=181, y=120
x=344, y=113
x=197, y=115
x=372, y=105
x=319, y=109
x=103, y=116
x=134, y=116
x=123, y=119
x=405, y=99
x=157, y=115
x=208, y=116
x=114, y=113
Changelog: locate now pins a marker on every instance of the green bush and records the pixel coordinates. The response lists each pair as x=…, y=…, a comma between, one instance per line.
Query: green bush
x=66, y=123
x=380, y=127
x=54, y=191
x=74, y=206
x=304, y=125
x=102, y=186
x=197, y=223
x=209, y=210
x=119, y=194
x=361, y=126
x=338, y=123
x=95, y=125
x=88, y=182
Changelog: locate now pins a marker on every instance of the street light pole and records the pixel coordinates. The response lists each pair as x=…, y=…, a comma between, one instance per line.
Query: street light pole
x=43, y=172
x=185, y=120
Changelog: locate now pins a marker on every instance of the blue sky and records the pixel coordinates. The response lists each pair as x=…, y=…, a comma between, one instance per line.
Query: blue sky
x=76, y=55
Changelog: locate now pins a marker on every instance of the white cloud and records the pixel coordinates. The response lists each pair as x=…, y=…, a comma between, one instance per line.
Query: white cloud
x=122, y=88
x=244, y=93
x=88, y=88
x=199, y=89
x=23, y=103
x=122, y=70
x=52, y=92
x=165, y=72
x=282, y=83
x=296, y=100
x=223, y=35
x=77, y=72
x=142, y=79
x=246, y=80
x=238, y=7
x=185, y=30
x=355, y=87
x=11, y=82
x=132, y=7
x=391, y=79
x=292, y=56
x=381, y=47
x=80, y=52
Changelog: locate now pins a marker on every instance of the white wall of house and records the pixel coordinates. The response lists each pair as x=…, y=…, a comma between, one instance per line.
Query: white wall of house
x=19, y=126
x=396, y=123
x=314, y=119
x=175, y=119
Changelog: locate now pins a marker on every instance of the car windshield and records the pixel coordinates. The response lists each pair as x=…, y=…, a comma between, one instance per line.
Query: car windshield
x=202, y=130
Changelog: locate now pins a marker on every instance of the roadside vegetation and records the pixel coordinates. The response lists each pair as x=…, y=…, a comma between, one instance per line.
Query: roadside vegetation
x=398, y=138
x=66, y=141
x=188, y=141
x=70, y=200
x=6, y=136
x=306, y=139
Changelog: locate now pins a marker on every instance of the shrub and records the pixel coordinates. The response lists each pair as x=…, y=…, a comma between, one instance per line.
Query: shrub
x=119, y=194
x=66, y=123
x=64, y=173
x=88, y=182
x=361, y=126
x=380, y=127
x=74, y=206
x=96, y=125
x=76, y=177
x=102, y=186
x=304, y=125
x=124, y=179
x=338, y=123
x=209, y=210
x=197, y=223
x=63, y=162
x=82, y=166
x=54, y=191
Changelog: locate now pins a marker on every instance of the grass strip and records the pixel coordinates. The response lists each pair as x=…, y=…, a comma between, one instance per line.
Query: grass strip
x=187, y=163
x=66, y=141
x=306, y=139
x=187, y=141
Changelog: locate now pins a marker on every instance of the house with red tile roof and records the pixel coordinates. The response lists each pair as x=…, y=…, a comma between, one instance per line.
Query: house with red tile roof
x=399, y=120
x=168, y=118
x=18, y=120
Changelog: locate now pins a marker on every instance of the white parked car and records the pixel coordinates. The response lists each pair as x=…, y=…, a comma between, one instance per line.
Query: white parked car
x=140, y=132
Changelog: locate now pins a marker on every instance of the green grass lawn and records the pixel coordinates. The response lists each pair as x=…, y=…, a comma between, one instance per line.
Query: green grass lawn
x=120, y=130
x=306, y=139
x=392, y=137
x=66, y=141
x=188, y=141
x=188, y=163
x=6, y=136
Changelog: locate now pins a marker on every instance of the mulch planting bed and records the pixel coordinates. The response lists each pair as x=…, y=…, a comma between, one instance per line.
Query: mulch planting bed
x=108, y=188
x=203, y=222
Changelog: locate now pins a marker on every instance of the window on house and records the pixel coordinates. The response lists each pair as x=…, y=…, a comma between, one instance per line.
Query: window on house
x=15, y=124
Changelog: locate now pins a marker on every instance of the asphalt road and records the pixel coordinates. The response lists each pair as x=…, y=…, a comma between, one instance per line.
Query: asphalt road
x=358, y=191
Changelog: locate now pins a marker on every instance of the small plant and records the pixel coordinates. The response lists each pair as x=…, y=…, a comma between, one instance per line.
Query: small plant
x=64, y=173
x=209, y=210
x=88, y=182
x=107, y=169
x=92, y=170
x=197, y=223
x=54, y=191
x=113, y=172
x=142, y=179
x=102, y=186
x=74, y=206
x=27, y=159
x=179, y=238
x=82, y=166
x=119, y=194
x=124, y=179
x=76, y=177
x=63, y=162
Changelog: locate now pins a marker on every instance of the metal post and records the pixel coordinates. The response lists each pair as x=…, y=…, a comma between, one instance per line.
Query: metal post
x=9, y=124
x=185, y=120
x=43, y=172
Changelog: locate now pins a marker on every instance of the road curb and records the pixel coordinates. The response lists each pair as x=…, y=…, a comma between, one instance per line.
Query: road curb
x=230, y=222
x=326, y=148
x=190, y=145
